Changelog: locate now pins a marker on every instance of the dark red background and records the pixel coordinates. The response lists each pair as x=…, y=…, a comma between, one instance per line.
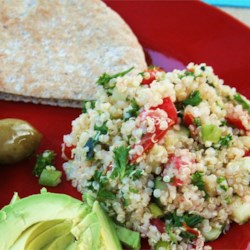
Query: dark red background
x=173, y=33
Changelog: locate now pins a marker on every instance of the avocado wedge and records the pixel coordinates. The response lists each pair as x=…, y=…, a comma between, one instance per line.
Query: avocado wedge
x=108, y=232
x=50, y=221
x=48, y=236
x=22, y=214
x=32, y=232
x=62, y=242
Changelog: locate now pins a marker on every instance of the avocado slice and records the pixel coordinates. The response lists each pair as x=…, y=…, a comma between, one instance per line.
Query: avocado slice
x=32, y=232
x=17, y=217
x=62, y=242
x=128, y=237
x=88, y=233
x=48, y=236
x=109, y=236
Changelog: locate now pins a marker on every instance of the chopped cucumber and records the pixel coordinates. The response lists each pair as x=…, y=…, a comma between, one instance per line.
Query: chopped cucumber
x=213, y=234
x=160, y=184
x=50, y=178
x=162, y=245
x=210, y=132
x=155, y=210
x=240, y=211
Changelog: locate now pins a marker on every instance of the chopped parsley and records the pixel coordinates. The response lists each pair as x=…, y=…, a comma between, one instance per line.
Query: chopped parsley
x=188, y=236
x=133, y=111
x=87, y=104
x=194, y=99
x=104, y=80
x=103, y=129
x=223, y=123
x=243, y=102
x=203, y=68
x=43, y=160
x=136, y=174
x=197, y=180
x=225, y=141
x=171, y=235
x=211, y=84
x=120, y=162
x=197, y=122
x=90, y=144
x=189, y=73
x=191, y=220
x=223, y=183
x=105, y=195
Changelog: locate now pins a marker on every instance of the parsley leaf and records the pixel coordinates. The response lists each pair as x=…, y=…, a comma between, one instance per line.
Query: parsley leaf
x=225, y=141
x=243, y=102
x=191, y=220
x=105, y=78
x=87, y=104
x=223, y=183
x=120, y=162
x=197, y=122
x=136, y=174
x=103, y=129
x=194, y=99
x=189, y=73
x=188, y=236
x=210, y=83
x=43, y=160
x=197, y=180
x=171, y=234
x=105, y=195
x=133, y=111
x=223, y=123
x=91, y=143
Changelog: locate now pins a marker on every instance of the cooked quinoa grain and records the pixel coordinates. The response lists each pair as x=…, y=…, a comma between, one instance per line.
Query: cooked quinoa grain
x=166, y=154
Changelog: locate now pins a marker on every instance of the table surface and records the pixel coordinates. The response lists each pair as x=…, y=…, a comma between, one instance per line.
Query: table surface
x=242, y=14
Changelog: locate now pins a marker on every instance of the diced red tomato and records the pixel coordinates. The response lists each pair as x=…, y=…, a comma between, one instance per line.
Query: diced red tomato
x=178, y=162
x=177, y=182
x=149, y=139
x=169, y=107
x=152, y=75
x=235, y=121
x=190, y=230
x=159, y=224
x=188, y=119
x=67, y=151
x=235, y=118
x=110, y=167
x=247, y=153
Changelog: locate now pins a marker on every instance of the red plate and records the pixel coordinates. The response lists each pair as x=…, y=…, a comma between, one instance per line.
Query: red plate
x=173, y=33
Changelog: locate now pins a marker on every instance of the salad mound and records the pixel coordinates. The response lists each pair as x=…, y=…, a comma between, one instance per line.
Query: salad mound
x=165, y=153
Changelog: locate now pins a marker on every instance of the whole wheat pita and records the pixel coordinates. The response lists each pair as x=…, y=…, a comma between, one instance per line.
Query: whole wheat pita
x=52, y=52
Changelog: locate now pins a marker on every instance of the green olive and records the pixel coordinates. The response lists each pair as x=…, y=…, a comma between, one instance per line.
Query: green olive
x=18, y=140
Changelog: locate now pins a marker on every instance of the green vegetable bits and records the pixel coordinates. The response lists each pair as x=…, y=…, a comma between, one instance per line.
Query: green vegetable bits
x=211, y=133
x=50, y=178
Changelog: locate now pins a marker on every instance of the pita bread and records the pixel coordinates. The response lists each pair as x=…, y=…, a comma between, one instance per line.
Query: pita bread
x=53, y=51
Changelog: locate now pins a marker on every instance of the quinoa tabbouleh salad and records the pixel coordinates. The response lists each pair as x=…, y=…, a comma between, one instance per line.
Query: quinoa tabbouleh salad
x=166, y=154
